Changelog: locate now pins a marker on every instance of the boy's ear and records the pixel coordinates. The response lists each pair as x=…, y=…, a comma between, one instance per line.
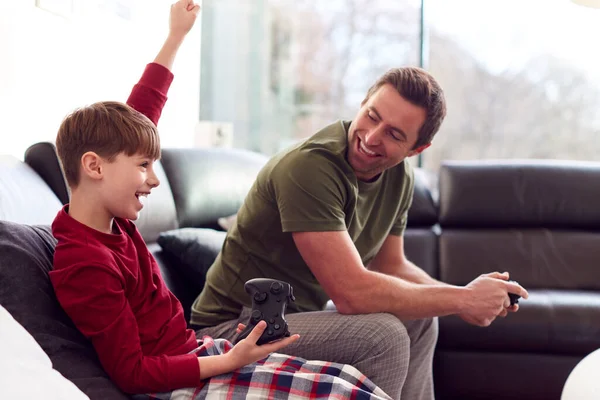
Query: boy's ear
x=91, y=165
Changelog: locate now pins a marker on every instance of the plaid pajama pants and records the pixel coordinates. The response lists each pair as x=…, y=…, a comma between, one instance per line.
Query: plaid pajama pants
x=395, y=355
x=278, y=377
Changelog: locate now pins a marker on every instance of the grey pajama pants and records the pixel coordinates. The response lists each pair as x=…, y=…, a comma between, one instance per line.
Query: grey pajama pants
x=396, y=355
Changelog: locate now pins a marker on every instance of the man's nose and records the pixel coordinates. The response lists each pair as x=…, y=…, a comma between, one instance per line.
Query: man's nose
x=373, y=136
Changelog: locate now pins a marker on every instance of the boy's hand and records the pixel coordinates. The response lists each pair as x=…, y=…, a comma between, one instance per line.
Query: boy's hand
x=247, y=351
x=183, y=16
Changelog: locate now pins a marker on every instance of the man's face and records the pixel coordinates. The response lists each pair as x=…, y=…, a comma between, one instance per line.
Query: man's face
x=127, y=179
x=383, y=133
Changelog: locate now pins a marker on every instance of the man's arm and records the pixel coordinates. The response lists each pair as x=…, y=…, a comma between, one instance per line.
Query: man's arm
x=391, y=260
x=149, y=95
x=335, y=262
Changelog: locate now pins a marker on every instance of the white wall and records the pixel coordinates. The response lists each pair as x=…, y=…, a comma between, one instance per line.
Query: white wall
x=50, y=64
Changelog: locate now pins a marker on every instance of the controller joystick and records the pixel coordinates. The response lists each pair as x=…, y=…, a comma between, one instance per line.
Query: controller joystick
x=270, y=298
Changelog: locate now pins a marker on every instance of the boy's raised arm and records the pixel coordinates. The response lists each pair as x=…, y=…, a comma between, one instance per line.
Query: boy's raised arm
x=182, y=19
x=149, y=95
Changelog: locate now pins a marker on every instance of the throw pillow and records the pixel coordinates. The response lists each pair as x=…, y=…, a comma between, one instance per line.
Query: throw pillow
x=26, y=370
x=195, y=249
x=26, y=293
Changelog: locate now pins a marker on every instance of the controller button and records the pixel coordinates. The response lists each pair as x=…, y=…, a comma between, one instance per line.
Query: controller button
x=272, y=321
x=256, y=315
x=276, y=326
x=270, y=332
x=260, y=297
x=276, y=287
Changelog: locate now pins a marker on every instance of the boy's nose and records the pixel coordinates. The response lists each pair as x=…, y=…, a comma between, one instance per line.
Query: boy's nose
x=153, y=181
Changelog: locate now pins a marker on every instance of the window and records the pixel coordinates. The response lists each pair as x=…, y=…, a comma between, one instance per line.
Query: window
x=522, y=79
x=280, y=70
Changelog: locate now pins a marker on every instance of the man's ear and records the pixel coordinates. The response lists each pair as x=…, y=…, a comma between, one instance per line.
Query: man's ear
x=92, y=165
x=418, y=150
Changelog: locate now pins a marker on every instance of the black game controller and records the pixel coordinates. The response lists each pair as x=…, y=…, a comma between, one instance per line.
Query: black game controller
x=270, y=298
x=514, y=298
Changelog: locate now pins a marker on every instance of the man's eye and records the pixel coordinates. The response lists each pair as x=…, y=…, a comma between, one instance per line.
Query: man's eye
x=397, y=136
x=371, y=117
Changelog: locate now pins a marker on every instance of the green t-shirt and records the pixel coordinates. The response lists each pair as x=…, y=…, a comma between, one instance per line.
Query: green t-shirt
x=310, y=187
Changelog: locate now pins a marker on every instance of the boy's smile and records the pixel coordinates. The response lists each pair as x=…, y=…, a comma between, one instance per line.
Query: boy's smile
x=126, y=181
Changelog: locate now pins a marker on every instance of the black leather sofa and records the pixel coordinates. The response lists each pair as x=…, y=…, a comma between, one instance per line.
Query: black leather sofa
x=538, y=220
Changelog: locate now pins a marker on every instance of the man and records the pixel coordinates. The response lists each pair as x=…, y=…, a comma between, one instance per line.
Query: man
x=328, y=216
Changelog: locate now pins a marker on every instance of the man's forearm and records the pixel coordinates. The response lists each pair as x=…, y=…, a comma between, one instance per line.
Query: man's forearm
x=410, y=272
x=378, y=292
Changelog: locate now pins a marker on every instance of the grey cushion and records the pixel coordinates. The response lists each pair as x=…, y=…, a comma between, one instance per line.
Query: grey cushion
x=195, y=249
x=26, y=292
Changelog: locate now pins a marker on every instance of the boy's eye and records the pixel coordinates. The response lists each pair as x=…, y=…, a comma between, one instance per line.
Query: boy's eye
x=144, y=164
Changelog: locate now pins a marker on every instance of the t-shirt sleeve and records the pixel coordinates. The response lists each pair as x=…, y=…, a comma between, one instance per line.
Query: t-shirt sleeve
x=406, y=201
x=310, y=193
x=93, y=296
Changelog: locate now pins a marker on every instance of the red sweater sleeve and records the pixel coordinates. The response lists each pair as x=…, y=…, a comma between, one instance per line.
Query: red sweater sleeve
x=93, y=296
x=149, y=95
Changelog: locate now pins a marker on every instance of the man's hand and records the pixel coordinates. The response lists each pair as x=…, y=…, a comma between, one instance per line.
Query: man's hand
x=488, y=298
x=182, y=19
x=247, y=351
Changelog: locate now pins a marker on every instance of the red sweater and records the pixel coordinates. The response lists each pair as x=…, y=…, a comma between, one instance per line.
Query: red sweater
x=111, y=287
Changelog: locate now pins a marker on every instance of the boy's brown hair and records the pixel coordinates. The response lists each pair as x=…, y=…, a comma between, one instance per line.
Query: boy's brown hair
x=107, y=128
x=421, y=89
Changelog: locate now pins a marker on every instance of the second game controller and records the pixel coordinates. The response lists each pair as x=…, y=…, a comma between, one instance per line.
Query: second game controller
x=514, y=298
x=270, y=298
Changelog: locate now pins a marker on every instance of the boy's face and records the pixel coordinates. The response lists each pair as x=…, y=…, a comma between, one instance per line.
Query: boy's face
x=126, y=181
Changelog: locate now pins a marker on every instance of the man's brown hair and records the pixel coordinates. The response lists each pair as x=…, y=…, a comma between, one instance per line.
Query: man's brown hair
x=107, y=128
x=421, y=89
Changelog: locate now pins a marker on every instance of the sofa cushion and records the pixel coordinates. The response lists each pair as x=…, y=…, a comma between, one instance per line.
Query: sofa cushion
x=208, y=184
x=159, y=212
x=536, y=258
x=42, y=157
x=565, y=322
x=26, y=292
x=510, y=193
x=423, y=210
x=195, y=249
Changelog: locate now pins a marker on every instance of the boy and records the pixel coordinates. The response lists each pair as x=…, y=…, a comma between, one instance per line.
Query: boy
x=104, y=277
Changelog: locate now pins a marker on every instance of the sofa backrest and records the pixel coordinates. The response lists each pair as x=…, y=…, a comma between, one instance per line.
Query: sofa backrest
x=24, y=197
x=538, y=220
x=210, y=183
x=421, y=235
